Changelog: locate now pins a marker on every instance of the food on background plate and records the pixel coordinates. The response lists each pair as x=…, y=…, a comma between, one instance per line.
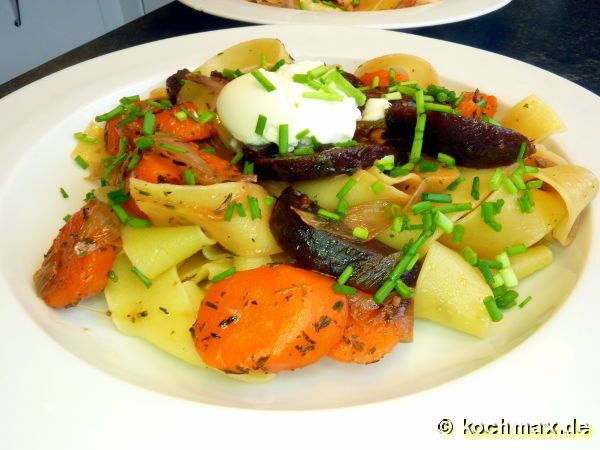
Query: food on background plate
x=343, y=5
x=258, y=214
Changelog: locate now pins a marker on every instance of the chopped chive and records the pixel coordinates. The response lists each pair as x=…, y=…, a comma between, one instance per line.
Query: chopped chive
x=304, y=151
x=317, y=86
x=442, y=221
x=346, y=87
x=428, y=166
x=123, y=144
x=64, y=193
x=360, y=233
x=269, y=201
x=482, y=103
x=263, y=62
x=133, y=162
x=469, y=255
x=509, y=186
x=502, y=258
x=375, y=82
x=248, y=168
x=401, y=171
x=524, y=302
x=149, y=123
x=403, y=289
x=208, y=150
x=454, y=207
x=534, y=184
x=392, y=96
x=413, y=261
x=385, y=290
x=67, y=217
x=118, y=196
x=112, y=276
x=229, y=212
x=428, y=223
x=143, y=278
x=475, y=188
x=327, y=214
x=110, y=115
x=206, y=116
x=81, y=162
x=303, y=133
x=284, y=131
x=260, y=125
x=517, y=178
x=516, y=249
x=265, y=83
x=484, y=268
x=112, y=166
x=437, y=198
x=499, y=291
x=174, y=148
x=323, y=96
x=400, y=268
x=239, y=208
x=85, y=138
x=277, y=66
x=391, y=72
x=300, y=78
x=342, y=207
x=437, y=107
x=510, y=277
x=415, y=246
x=144, y=142
x=428, y=99
x=345, y=275
x=254, y=208
x=236, y=159
x=525, y=202
x=377, y=187
x=488, y=211
x=180, y=115
x=397, y=224
x=189, y=177
x=458, y=234
x=421, y=207
x=498, y=204
x=491, y=263
x=447, y=160
x=492, y=309
x=459, y=99
x=137, y=223
x=120, y=212
x=156, y=105
x=129, y=100
x=223, y=275
x=343, y=289
x=496, y=180
x=126, y=120
x=415, y=153
x=452, y=186
x=317, y=72
x=350, y=143
x=531, y=169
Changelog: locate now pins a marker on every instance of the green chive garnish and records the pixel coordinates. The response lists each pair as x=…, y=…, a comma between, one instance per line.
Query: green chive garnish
x=144, y=142
x=137, y=223
x=180, y=115
x=149, y=123
x=475, y=188
x=492, y=309
x=346, y=188
x=454, y=207
x=263, y=62
x=229, y=212
x=421, y=207
x=360, y=233
x=174, y=148
x=377, y=186
x=469, y=255
x=143, y=278
x=236, y=159
x=260, y=125
x=442, y=221
x=393, y=96
x=516, y=249
x=133, y=162
x=85, y=138
x=535, y=184
x=302, y=134
x=317, y=72
x=130, y=99
x=81, y=162
x=385, y=290
x=269, y=201
x=524, y=302
x=265, y=83
x=189, y=177
x=458, y=233
x=64, y=193
x=496, y=180
x=452, y=186
x=248, y=168
x=254, y=207
x=223, y=275
x=277, y=66
x=438, y=108
x=343, y=289
x=437, y=198
x=110, y=115
x=402, y=289
x=328, y=214
x=284, y=130
x=304, y=151
x=345, y=275
x=112, y=276
x=447, y=160
x=67, y=217
x=427, y=166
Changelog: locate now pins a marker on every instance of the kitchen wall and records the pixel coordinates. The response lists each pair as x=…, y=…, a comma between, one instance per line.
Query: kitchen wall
x=49, y=28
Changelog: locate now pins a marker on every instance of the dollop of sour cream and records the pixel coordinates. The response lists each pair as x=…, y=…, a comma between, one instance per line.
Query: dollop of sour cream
x=243, y=99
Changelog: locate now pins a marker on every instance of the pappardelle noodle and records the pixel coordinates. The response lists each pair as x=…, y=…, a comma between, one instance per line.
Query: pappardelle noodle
x=258, y=213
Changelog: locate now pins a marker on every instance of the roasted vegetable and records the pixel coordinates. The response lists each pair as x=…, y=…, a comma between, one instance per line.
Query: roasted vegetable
x=472, y=142
x=329, y=253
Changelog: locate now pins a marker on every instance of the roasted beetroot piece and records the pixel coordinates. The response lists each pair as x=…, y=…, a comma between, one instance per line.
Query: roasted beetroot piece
x=472, y=142
x=322, y=163
x=330, y=254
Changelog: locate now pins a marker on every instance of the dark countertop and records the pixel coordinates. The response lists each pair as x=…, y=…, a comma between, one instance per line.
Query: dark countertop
x=562, y=36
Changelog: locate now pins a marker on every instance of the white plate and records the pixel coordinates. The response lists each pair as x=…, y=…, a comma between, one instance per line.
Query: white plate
x=69, y=377
x=444, y=11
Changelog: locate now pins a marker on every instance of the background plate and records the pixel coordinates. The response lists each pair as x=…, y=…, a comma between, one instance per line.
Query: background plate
x=445, y=11
x=52, y=399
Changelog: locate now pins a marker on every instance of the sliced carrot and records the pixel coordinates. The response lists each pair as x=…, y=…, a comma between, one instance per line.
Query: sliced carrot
x=221, y=167
x=77, y=264
x=155, y=168
x=269, y=319
x=113, y=133
x=470, y=108
x=384, y=78
x=372, y=332
x=187, y=129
